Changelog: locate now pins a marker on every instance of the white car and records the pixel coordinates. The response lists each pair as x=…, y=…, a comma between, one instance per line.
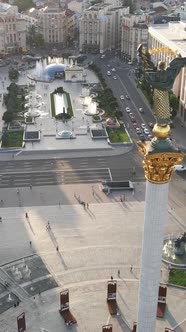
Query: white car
x=108, y=73
x=141, y=110
x=138, y=130
x=122, y=97
x=114, y=70
x=143, y=125
x=127, y=109
x=146, y=131
x=115, y=77
x=180, y=168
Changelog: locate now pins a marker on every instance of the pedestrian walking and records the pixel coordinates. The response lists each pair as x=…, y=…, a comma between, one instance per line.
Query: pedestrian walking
x=26, y=215
x=57, y=248
x=131, y=267
x=118, y=273
x=30, y=187
x=17, y=191
x=39, y=292
x=30, y=243
x=59, y=203
x=87, y=206
x=1, y=219
x=111, y=277
x=2, y=202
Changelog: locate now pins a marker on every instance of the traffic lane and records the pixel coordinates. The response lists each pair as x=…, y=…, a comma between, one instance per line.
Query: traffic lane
x=147, y=116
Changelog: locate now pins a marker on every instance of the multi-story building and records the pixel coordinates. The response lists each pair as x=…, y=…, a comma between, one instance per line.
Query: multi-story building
x=100, y=27
x=165, y=42
x=12, y=29
x=57, y=25
x=134, y=31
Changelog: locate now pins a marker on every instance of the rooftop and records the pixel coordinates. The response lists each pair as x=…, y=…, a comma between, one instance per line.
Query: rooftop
x=172, y=34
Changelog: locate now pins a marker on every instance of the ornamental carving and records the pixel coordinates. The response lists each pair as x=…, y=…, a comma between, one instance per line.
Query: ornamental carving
x=158, y=167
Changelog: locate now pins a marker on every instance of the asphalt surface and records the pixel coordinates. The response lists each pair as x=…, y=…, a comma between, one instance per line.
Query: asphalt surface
x=21, y=173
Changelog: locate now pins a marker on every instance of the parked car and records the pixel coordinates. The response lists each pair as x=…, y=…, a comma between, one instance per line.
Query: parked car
x=131, y=114
x=108, y=73
x=127, y=97
x=141, y=110
x=127, y=109
x=122, y=97
x=114, y=70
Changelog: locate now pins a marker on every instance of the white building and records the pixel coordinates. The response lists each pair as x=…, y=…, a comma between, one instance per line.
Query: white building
x=56, y=25
x=166, y=41
x=12, y=29
x=134, y=32
x=100, y=28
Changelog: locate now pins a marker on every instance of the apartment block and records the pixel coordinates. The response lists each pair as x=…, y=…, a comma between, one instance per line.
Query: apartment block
x=134, y=31
x=100, y=28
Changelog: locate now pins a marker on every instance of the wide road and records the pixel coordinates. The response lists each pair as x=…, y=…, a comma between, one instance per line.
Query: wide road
x=125, y=85
x=21, y=173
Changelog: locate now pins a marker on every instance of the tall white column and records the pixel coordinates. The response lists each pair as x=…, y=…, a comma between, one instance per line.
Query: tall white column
x=155, y=216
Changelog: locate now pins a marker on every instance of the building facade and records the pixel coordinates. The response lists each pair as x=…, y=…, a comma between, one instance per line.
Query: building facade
x=56, y=25
x=166, y=41
x=100, y=28
x=12, y=29
x=134, y=31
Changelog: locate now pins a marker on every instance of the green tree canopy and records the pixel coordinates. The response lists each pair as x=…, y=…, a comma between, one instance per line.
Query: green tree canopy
x=174, y=104
x=34, y=38
x=24, y=5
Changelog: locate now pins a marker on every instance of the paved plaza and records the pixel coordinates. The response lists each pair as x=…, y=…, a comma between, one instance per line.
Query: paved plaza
x=94, y=243
x=49, y=126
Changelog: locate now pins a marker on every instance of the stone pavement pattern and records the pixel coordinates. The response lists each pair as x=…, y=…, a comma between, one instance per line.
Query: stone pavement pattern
x=93, y=244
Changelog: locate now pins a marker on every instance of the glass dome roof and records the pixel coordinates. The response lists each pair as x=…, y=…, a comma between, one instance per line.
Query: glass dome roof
x=53, y=69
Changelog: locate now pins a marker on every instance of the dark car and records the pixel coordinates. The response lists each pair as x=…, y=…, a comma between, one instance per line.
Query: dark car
x=142, y=137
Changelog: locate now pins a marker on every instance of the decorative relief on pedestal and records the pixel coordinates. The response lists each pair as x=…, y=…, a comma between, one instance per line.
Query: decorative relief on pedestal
x=158, y=167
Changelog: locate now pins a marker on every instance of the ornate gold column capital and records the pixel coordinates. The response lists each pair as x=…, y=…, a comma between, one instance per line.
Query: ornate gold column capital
x=158, y=167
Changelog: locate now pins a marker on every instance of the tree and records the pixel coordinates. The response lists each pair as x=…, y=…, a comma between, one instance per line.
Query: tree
x=174, y=104
x=129, y=3
x=34, y=38
x=24, y=5
x=13, y=74
x=8, y=116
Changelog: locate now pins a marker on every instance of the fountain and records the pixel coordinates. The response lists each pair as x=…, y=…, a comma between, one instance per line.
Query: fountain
x=174, y=250
x=90, y=106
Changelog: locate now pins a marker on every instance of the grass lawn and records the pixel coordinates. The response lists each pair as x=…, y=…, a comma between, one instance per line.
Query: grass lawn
x=118, y=135
x=12, y=139
x=52, y=105
x=177, y=277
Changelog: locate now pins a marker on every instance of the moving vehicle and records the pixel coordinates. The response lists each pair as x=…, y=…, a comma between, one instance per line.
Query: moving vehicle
x=127, y=109
x=180, y=168
x=115, y=77
x=141, y=110
x=108, y=73
x=114, y=70
x=127, y=97
x=146, y=131
x=122, y=97
x=143, y=125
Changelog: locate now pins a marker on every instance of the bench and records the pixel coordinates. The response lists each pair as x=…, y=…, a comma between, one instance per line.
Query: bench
x=68, y=317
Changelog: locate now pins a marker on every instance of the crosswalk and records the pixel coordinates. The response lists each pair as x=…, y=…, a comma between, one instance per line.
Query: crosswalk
x=70, y=176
